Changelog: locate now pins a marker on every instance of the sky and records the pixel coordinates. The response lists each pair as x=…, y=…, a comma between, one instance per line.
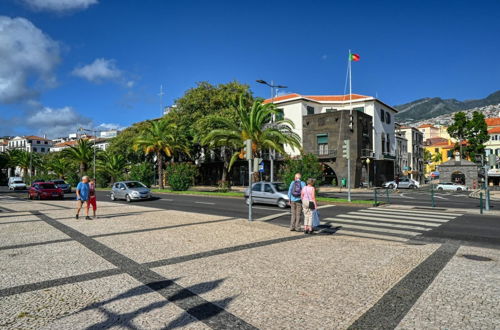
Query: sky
x=99, y=64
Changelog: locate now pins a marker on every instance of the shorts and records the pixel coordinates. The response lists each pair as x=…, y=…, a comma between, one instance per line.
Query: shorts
x=92, y=201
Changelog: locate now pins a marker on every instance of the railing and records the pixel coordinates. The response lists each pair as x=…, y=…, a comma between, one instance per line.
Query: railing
x=331, y=153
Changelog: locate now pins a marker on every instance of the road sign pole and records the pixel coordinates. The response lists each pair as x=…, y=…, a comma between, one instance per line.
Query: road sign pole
x=432, y=196
x=481, y=202
x=375, y=197
x=486, y=189
x=250, y=190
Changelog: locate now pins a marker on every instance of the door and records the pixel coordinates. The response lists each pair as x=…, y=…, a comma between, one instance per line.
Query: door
x=268, y=195
x=120, y=192
x=404, y=183
x=257, y=193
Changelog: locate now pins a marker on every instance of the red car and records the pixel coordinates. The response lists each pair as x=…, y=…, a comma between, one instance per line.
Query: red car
x=45, y=190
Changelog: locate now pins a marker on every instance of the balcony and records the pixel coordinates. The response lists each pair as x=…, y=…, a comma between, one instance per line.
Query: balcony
x=322, y=153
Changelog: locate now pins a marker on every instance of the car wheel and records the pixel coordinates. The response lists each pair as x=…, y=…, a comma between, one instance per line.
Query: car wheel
x=391, y=186
x=30, y=197
x=38, y=197
x=282, y=204
x=411, y=187
x=440, y=189
x=127, y=198
x=459, y=189
x=112, y=196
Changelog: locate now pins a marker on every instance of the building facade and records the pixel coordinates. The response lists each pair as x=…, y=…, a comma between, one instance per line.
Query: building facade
x=401, y=163
x=324, y=135
x=31, y=144
x=415, y=167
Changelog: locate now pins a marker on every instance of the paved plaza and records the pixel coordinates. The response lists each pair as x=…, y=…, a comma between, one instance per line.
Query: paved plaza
x=140, y=267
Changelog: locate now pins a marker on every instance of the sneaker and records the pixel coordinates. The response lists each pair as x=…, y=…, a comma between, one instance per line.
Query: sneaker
x=76, y=217
x=292, y=229
x=87, y=218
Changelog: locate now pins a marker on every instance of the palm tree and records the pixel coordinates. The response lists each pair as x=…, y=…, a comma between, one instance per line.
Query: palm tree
x=58, y=165
x=159, y=138
x=111, y=164
x=26, y=160
x=253, y=123
x=82, y=152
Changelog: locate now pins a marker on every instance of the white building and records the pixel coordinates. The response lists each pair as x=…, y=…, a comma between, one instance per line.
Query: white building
x=295, y=107
x=31, y=144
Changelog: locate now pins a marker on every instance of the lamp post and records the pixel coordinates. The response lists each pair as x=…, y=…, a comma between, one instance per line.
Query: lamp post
x=271, y=151
x=368, y=165
x=81, y=129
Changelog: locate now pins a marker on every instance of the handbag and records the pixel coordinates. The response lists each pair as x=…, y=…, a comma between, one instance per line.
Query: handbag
x=315, y=219
x=312, y=206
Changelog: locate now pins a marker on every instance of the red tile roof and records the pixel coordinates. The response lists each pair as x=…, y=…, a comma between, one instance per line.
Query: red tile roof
x=319, y=98
x=425, y=126
x=492, y=121
x=34, y=137
x=65, y=144
x=494, y=130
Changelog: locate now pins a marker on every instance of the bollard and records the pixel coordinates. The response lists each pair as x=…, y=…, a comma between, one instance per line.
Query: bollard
x=388, y=199
x=432, y=196
x=481, y=202
x=375, y=197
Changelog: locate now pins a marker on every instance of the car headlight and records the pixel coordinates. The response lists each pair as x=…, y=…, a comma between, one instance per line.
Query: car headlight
x=135, y=193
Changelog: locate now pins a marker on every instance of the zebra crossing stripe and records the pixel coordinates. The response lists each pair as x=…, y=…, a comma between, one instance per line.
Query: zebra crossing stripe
x=352, y=225
x=414, y=211
x=363, y=216
x=403, y=216
x=381, y=224
x=346, y=232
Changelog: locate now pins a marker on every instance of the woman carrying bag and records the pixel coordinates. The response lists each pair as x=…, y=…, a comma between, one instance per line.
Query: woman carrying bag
x=309, y=204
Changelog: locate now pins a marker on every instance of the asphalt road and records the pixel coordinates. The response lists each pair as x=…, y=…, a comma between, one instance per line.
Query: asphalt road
x=471, y=228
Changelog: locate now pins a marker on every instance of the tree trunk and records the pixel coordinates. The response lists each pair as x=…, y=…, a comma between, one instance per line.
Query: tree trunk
x=82, y=168
x=160, y=169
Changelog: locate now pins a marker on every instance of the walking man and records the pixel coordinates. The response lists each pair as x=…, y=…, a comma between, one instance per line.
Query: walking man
x=82, y=196
x=92, y=197
x=294, y=193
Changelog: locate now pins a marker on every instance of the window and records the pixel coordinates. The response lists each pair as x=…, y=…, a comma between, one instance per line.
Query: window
x=257, y=187
x=387, y=118
x=383, y=143
x=42, y=149
x=37, y=142
x=310, y=110
x=280, y=115
x=388, y=144
x=436, y=149
x=34, y=149
x=322, y=142
x=45, y=142
x=268, y=189
x=30, y=141
x=117, y=185
x=360, y=109
x=382, y=115
x=331, y=110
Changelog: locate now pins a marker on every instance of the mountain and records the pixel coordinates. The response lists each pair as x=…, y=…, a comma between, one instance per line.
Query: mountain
x=427, y=108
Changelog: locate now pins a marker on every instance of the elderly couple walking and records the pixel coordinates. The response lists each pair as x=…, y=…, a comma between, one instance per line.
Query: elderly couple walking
x=85, y=194
x=302, y=199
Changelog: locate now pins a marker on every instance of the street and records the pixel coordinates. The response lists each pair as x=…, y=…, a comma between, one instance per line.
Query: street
x=194, y=262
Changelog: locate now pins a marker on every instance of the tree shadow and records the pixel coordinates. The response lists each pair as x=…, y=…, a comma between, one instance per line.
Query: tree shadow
x=195, y=308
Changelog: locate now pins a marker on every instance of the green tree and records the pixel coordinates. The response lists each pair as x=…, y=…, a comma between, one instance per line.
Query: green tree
x=112, y=165
x=254, y=123
x=308, y=165
x=142, y=172
x=57, y=163
x=181, y=176
x=81, y=153
x=158, y=138
x=477, y=135
x=437, y=157
x=427, y=156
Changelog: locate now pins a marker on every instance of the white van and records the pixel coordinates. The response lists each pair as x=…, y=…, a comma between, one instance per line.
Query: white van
x=16, y=182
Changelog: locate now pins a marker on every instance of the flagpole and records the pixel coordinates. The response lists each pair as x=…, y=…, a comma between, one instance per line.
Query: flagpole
x=350, y=83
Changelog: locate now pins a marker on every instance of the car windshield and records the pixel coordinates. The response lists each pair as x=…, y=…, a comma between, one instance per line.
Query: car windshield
x=135, y=184
x=280, y=187
x=46, y=186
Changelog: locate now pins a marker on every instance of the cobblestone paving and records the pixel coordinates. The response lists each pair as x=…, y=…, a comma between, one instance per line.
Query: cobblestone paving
x=143, y=268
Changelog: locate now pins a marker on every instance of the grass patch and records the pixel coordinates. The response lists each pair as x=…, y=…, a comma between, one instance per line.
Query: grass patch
x=205, y=193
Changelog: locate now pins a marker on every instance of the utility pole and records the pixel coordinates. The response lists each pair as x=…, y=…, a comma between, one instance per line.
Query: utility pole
x=161, y=100
x=346, y=152
x=249, y=156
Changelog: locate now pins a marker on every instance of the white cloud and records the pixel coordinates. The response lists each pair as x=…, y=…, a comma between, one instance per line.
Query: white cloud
x=109, y=126
x=59, y=5
x=57, y=122
x=99, y=70
x=28, y=59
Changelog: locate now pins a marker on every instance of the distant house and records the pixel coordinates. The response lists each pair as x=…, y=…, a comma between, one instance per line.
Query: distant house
x=31, y=143
x=63, y=145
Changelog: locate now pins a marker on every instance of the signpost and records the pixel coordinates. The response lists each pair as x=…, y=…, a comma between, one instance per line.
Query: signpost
x=346, y=151
x=248, y=156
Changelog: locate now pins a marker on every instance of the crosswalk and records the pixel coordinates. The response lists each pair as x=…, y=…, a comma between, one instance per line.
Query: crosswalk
x=388, y=224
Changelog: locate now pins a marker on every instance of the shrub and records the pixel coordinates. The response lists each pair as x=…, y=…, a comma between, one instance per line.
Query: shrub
x=142, y=172
x=180, y=176
x=308, y=165
x=223, y=186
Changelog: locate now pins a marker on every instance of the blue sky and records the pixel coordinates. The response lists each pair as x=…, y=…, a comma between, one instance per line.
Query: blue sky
x=101, y=62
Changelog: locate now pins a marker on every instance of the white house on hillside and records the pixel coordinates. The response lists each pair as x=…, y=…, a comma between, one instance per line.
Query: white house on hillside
x=31, y=144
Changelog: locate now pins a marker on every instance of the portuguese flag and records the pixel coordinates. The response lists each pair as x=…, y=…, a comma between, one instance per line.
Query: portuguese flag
x=354, y=57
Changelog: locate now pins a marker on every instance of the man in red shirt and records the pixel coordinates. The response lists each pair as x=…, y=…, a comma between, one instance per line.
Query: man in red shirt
x=92, y=197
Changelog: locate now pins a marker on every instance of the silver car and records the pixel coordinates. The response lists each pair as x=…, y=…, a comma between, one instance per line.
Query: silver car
x=61, y=184
x=404, y=183
x=275, y=193
x=129, y=191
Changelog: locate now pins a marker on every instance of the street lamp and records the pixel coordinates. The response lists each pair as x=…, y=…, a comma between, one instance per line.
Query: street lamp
x=368, y=165
x=273, y=86
x=81, y=129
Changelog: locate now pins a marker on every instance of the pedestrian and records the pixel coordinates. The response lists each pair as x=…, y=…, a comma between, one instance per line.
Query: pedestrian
x=92, y=197
x=82, y=196
x=309, y=204
x=396, y=181
x=294, y=195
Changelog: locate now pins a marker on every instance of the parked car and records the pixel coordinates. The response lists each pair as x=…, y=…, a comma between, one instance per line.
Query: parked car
x=275, y=193
x=16, y=183
x=451, y=186
x=404, y=183
x=129, y=191
x=45, y=190
x=66, y=187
